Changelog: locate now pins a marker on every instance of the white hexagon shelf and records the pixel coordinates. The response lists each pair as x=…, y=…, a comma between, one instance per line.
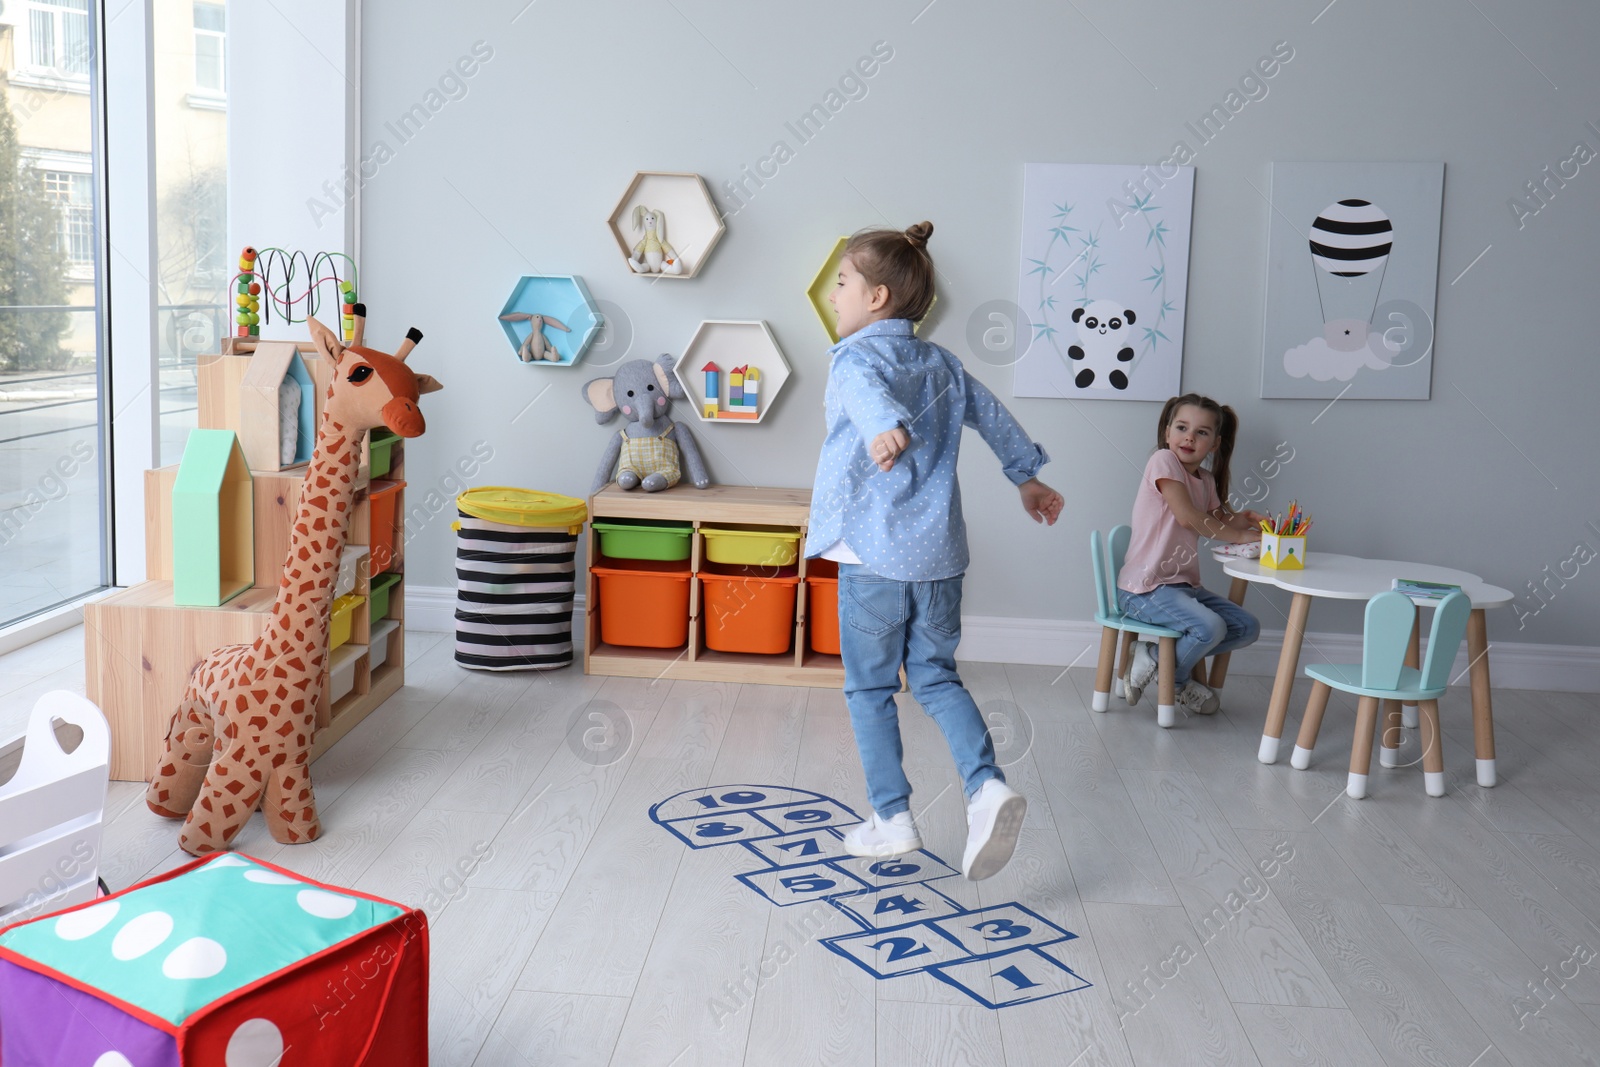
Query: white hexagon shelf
x=666, y=224
x=732, y=371
x=817, y=293
x=562, y=298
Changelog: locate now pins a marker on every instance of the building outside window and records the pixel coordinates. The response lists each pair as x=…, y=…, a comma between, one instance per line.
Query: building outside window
x=210, y=72
x=58, y=32
x=74, y=195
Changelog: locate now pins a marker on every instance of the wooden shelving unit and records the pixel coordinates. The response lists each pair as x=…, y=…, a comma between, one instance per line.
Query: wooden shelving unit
x=717, y=505
x=140, y=647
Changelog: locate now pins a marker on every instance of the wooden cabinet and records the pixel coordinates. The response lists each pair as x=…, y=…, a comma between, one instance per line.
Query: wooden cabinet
x=718, y=505
x=140, y=647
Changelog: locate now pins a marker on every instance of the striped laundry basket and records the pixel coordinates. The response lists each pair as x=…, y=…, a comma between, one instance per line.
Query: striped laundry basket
x=515, y=578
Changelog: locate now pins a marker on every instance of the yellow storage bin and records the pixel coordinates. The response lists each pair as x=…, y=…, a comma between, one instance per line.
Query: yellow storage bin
x=344, y=610
x=766, y=546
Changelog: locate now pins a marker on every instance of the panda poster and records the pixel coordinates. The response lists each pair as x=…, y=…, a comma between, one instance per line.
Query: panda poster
x=1352, y=270
x=1103, y=279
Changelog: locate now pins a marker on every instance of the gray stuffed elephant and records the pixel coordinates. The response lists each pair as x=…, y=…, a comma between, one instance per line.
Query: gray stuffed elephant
x=651, y=452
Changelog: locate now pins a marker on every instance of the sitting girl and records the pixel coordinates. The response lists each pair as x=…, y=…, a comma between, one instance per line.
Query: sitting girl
x=1179, y=500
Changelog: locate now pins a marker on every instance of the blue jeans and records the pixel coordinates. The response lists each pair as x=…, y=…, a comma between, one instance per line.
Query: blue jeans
x=1210, y=624
x=882, y=624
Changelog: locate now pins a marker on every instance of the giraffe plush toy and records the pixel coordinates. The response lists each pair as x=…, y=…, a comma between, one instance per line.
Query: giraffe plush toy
x=241, y=737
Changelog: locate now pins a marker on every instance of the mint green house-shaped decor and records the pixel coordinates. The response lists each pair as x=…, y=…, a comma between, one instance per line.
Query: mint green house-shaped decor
x=213, y=533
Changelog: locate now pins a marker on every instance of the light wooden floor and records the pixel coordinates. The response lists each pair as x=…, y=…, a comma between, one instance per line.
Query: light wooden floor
x=1227, y=912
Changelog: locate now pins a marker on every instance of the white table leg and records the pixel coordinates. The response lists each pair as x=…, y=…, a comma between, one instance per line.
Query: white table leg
x=1288, y=663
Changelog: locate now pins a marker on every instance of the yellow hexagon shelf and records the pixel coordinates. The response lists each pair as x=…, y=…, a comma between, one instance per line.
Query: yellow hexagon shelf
x=817, y=293
x=732, y=371
x=666, y=224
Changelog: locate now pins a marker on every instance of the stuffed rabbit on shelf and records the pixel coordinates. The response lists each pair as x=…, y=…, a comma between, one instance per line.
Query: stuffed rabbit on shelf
x=653, y=255
x=536, y=345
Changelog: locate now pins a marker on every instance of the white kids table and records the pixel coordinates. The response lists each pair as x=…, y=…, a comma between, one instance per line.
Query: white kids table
x=1328, y=574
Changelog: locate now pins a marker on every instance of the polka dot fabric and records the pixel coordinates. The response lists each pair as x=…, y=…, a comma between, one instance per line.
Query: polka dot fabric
x=905, y=523
x=227, y=963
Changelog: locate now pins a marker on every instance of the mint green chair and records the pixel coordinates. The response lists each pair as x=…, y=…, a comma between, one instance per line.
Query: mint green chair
x=1383, y=676
x=1107, y=555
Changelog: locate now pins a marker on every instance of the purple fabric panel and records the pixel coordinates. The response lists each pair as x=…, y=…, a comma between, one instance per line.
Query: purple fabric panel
x=46, y=1023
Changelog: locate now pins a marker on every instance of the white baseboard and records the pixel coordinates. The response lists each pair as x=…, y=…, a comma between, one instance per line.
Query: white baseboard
x=1074, y=643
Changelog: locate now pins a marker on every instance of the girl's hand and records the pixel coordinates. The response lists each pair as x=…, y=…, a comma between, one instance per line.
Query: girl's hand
x=887, y=446
x=1254, y=518
x=1040, y=501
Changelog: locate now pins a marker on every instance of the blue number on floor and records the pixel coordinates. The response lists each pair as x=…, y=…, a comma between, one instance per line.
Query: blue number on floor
x=1017, y=977
x=896, y=906
x=1001, y=928
x=919, y=866
x=785, y=851
x=897, y=950
x=723, y=828
x=796, y=885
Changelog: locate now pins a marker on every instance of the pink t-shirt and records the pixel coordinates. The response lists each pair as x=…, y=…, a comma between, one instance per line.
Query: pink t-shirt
x=1161, y=551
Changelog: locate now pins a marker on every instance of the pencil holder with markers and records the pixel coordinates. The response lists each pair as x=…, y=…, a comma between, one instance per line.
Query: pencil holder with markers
x=1283, y=552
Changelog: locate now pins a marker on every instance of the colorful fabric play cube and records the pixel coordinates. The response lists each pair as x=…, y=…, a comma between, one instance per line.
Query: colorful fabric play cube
x=225, y=962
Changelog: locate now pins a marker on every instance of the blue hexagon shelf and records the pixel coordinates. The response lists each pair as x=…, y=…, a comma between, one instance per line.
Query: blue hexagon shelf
x=563, y=301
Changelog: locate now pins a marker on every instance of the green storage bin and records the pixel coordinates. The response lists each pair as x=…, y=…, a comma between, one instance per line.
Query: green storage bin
x=765, y=545
x=381, y=447
x=379, y=598
x=644, y=539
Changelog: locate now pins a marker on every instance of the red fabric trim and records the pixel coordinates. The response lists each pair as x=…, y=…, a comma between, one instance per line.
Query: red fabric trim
x=388, y=988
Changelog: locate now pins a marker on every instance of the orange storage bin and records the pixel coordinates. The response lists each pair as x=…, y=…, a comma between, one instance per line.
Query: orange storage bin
x=645, y=604
x=748, y=612
x=822, y=605
x=384, y=496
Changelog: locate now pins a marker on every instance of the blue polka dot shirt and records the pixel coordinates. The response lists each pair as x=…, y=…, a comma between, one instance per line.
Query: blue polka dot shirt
x=905, y=523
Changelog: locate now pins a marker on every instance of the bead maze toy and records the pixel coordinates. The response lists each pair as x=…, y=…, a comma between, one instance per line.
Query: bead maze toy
x=289, y=279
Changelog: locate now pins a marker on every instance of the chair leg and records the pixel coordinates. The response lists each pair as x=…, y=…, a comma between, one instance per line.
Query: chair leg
x=1432, y=749
x=1361, y=750
x=1124, y=663
x=1310, y=724
x=1413, y=659
x=1389, y=746
x=1219, y=664
x=1102, y=671
x=1167, y=705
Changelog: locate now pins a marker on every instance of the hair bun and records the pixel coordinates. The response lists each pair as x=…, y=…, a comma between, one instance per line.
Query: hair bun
x=919, y=233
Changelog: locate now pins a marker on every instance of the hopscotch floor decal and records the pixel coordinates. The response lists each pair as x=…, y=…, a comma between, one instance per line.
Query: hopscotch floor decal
x=995, y=955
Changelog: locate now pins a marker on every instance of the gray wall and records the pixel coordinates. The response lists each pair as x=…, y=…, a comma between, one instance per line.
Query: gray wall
x=517, y=175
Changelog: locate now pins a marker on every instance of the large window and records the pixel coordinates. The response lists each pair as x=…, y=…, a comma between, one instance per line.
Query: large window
x=52, y=525
x=193, y=259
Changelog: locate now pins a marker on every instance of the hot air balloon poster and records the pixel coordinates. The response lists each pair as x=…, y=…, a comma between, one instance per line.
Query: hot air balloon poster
x=1352, y=272
x=1102, y=284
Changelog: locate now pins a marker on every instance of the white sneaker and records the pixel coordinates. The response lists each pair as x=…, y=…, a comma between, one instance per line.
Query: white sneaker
x=994, y=818
x=878, y=837
x=1198, y=699
x=1141, y=673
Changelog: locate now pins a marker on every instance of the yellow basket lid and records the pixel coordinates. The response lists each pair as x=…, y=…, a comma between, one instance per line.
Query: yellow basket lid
x=522, y=507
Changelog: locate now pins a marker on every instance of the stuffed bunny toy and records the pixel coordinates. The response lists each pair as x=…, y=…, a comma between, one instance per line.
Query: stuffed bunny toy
x=536, y=345
x=651, y=452
x=653, y=255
